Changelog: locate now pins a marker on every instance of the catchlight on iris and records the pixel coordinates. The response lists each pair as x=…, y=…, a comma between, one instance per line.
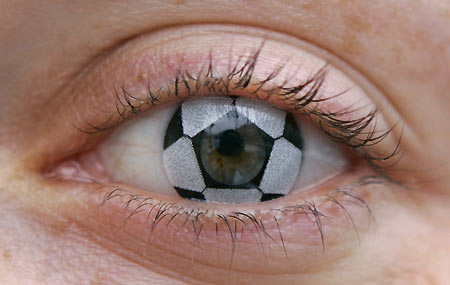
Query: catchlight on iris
x=232, y=150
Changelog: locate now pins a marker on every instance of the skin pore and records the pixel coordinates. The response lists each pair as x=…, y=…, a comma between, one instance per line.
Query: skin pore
x=54, y=53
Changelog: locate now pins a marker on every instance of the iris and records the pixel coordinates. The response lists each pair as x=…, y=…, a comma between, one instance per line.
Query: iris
x=232, y=150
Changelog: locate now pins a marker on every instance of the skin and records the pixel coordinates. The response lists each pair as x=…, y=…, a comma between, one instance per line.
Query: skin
x=401, y=47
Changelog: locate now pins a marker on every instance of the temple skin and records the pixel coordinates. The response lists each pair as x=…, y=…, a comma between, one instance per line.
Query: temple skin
x=46, y=235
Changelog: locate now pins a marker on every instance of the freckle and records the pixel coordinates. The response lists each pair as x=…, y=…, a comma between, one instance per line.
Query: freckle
x=399, y=56
x=358, y=24
x=179, y=2
x=351, y=45
x=99, y=279
x=445, y=13
x=6, y=255
x=306, y=4
x=141, y=78
x=59, y=228
x=19, y=175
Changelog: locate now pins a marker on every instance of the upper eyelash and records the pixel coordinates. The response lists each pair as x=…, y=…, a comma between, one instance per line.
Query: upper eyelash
x=352, y=132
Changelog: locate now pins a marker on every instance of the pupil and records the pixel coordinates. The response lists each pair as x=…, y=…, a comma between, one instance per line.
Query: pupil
x=232, y=150
x=230, y=143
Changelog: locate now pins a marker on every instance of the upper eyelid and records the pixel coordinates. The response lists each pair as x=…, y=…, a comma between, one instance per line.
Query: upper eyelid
x=128, y=105
x=238, y=80
x=85, y=99
x=177, y=82
x=240, y=77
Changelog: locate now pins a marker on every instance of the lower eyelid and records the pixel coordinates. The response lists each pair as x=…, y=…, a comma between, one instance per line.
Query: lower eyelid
x=140, y=223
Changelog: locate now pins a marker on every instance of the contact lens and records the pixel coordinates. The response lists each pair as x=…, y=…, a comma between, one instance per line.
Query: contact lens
x=232, y=150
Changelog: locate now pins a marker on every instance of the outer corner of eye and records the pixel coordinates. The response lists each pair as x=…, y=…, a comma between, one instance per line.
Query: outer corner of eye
x=220, y=149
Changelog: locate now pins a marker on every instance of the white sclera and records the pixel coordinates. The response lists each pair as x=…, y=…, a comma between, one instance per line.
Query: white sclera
x=133, y=153
x=266, y=117
x=199, y=113
x=322, y=158
x=232, y=195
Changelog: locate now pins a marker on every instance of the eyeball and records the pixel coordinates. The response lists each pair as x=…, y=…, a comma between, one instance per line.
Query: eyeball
x=220, y=150
x=232, y=150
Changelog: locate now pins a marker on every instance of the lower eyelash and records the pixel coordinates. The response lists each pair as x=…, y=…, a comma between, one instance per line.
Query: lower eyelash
x=235, y=223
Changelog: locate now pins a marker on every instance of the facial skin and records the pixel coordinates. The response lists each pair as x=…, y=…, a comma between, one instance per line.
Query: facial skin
x=48, y=48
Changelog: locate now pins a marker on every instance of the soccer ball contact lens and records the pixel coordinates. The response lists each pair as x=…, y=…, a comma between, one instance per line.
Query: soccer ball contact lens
x=232, y=150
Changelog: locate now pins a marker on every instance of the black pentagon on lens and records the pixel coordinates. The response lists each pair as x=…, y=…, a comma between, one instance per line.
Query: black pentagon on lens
x=188, y=194
x=292, y=132
x=174, y=130
x=268, y=197
x=252, y=184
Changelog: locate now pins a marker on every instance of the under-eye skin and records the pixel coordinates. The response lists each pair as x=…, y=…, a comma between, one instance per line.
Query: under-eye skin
x=167, y=70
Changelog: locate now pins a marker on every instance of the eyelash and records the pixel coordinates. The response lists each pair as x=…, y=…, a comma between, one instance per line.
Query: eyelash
x=236, y=222
x=352, y=133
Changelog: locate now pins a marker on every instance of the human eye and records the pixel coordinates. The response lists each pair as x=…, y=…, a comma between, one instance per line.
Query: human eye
x=111, y=149
x=219, y=149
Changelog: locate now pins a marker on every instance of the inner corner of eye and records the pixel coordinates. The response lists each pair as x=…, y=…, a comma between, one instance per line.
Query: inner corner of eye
x=220, y=149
